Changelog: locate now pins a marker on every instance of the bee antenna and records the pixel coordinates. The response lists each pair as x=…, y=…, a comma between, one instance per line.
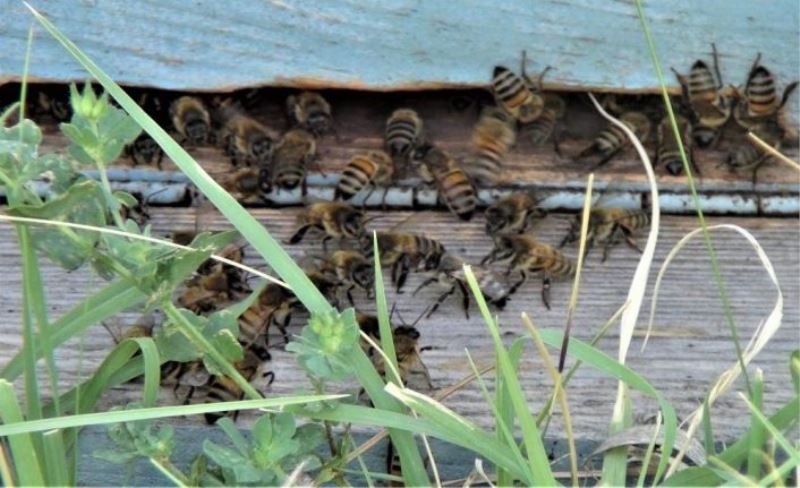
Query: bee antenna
x=110, y=332
x=391, y=313
x=370, y=219
x=151, y=195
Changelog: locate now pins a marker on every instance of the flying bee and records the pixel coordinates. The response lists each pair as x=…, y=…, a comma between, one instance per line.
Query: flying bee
x=528, y=256
x=545, y=127
x=492, y=138
x=351, y=269
x=311, y=112
x=667, y=151
x=243, y=138
x=334, y=219
x=458, y=193
x=513, y=93
x=402, y=252
x=450, y=275
x=430, y=161
x=225, y=389
x=295, y=151
x=372, y=169
x=760, y=98
x=606, y=226
x=513, y=214
x=403, y=133
x=191, y=119
x=612, y=140
x=702, y=92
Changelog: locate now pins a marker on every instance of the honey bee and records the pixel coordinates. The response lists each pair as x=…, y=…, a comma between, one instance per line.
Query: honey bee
x=760, y=98
x=57, y=107
x=667, y=151
x=311, y=112
x=430, y=161
x=513, y=214
x=372, y=169
x=527, y=256
x=214, y=283
x=224, y=389
x=274, y=306
x=191, y=119
x=244, y=139
x=295, y=151
x=334, y=219
x=351, y=269
x=133, y=206
x=513, y=93
x=144, y=149
x=402, y=252
x=246, y=182
x=450, y=275
x=492, y=138
x=544, y=128
x=403, y=133
x=606, y=226
x=747, y=156
x=612, y=140
x=703, y=93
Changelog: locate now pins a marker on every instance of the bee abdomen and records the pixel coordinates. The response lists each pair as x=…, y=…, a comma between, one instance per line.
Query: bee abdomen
x=702, y=84
x=540, y=130
x=402, y=131
x=509, y=89
x=743, y=156
x=610, y=140
x=761, y=94
x=458, y=193
x=355, y=176
x=289, y=177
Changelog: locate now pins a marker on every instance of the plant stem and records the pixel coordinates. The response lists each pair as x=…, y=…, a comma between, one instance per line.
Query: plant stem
x=112, y=202
x=197, y=338
x=170, y=471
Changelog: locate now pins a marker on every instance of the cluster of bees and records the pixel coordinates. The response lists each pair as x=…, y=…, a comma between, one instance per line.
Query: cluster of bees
x=265, y=160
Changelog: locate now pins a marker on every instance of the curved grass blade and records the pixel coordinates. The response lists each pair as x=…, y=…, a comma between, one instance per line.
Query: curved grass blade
x=26, y=458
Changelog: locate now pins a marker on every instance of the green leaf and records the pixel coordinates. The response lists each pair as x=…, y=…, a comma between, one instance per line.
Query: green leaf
x=236, y=468
x=794, y=369
x=228, y=345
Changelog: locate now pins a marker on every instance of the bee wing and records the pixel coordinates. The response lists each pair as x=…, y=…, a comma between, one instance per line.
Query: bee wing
x=408, y=224
x=418, y=377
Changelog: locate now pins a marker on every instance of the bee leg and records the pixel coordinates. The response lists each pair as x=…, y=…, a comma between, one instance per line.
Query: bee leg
x=763, y=159
x=299, y=234
x=586, y=152
x=369, y=194
x=424, y=284
x=489, y=258
x=325, y=243
x=402, y=274
x=159, y=158
x=440, y=300
x=631, y=241
x=605, y=160
x=271, y=376
x=546, y=291
x=349, y=293
x=523, y=277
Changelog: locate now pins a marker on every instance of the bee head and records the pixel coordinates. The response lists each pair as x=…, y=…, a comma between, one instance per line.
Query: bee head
x=262, y=149
x=353, y=223
x=319, y=123
x=363, y=276
x=264, y=180
x=674, y=167
x=504, y=247
x=497, y=217
x=196, y=130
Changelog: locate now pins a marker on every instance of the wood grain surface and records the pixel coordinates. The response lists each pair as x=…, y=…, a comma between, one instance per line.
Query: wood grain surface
x=690, y=346
x=401, y=44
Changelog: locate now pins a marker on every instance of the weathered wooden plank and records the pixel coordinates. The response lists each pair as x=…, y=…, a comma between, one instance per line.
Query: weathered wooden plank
x=400, y=44
x=691, y=344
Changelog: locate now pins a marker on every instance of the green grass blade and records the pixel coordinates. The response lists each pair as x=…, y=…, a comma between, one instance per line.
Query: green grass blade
x=651, y=446
x=114, y=298
x=723, y=294
x=387, y=342
x=55, y=459
x=708, y=430
x=612, y=367
x=32, y=395
x=240, y=218
x=152, y=367
x=538, y=472
x=736, y=454
x=132, y=415
x=26, y=458
x=780, y=439
x=504, y=415
x=758, y=433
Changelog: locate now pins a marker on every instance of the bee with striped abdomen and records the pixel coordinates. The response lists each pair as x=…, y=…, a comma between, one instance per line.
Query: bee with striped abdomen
x=403, y=133
x=745, y=155
x=403, y=252
x=246, y=182
x=372, y=169
x=291, y=157
x=455, y=188
x=667, y=151
x=310, y=111
x=513, y=214
x=492, y=138
x=334, y=219
x=760, y=99
x=513, y=93
x=612, y=140
x=709, y=106
x=191, y=119
x=224, y=389
x=606, y=226
x=450, y=275
x=546, y=126
x=527, y=256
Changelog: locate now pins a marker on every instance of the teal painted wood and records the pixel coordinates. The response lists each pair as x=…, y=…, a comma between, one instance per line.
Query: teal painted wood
x=212, y=45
